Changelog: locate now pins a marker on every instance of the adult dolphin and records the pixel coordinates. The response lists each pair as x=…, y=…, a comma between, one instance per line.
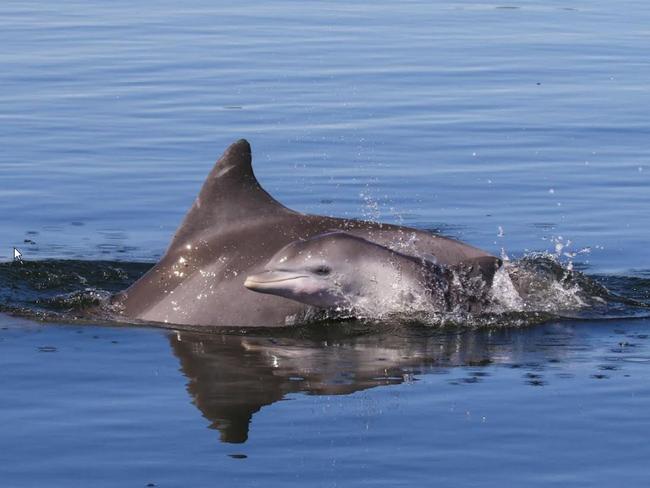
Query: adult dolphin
x=231, y=231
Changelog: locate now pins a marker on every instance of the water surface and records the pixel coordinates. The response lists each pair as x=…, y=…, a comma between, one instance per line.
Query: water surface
x=516, y=127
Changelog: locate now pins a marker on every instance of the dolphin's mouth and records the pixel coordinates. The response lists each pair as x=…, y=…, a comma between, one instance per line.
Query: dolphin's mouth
x=270, y=279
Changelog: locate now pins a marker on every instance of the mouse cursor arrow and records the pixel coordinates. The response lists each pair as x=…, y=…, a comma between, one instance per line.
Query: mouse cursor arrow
x=18, y=256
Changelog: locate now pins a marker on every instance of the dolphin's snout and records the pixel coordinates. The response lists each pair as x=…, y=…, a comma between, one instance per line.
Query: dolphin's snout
x=270, y=279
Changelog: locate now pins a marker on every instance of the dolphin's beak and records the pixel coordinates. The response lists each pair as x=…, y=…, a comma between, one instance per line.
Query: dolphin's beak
x=268, y=280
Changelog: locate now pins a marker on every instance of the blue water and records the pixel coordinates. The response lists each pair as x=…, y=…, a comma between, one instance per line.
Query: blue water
x=516, y=127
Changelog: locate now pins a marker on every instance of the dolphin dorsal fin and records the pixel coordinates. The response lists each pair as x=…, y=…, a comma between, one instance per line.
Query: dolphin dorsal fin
x=230, y=193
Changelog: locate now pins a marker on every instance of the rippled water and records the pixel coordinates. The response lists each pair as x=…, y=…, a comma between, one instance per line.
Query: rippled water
x=516, y=127
x=561, y=404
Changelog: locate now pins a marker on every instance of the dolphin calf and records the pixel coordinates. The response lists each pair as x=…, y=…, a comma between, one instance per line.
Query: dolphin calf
x=231, y=231
x=340, y=271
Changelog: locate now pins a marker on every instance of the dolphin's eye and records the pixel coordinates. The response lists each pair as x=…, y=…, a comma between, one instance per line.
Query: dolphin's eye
x=322, y=270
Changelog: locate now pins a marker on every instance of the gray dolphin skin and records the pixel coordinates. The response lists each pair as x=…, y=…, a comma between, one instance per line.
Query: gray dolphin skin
x=231, y=231
x=340, y=271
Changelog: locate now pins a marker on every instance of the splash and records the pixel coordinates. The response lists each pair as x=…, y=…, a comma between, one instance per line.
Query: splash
x=534, y=289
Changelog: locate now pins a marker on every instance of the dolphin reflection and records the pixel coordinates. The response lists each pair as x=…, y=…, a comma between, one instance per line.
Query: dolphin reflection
x=230, y=377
